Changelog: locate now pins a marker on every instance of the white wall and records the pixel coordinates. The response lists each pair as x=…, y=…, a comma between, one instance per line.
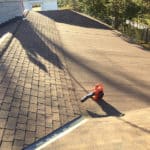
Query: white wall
x=10, y=9
x=45, y=4
x=27, y=5
x=49, y=5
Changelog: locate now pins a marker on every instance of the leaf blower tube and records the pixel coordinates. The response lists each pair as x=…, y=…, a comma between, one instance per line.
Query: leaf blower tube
x=96, y=94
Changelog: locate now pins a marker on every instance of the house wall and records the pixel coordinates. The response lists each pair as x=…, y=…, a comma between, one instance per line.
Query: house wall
x=49, y=5
x=27, y=5
x=10, y=9
x=45, y=4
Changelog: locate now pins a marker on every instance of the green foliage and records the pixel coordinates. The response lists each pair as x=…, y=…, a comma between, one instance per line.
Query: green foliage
x=69, y=4
x=132, y=9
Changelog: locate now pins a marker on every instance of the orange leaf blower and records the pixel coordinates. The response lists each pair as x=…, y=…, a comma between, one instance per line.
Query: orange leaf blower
x=96, y=94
